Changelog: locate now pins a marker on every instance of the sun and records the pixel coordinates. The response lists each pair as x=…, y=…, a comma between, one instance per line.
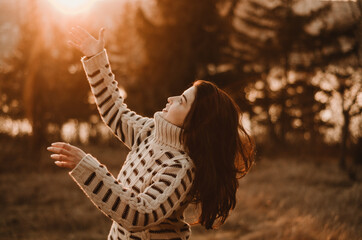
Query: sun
x=72, y=6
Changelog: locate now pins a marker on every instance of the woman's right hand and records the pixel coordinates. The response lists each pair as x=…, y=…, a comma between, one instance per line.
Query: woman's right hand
x=86, y=43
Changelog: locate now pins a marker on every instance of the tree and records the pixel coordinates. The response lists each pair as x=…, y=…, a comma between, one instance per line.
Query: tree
x=45, y=82
x=180, y=43
x=341, y=87
x=285, y=46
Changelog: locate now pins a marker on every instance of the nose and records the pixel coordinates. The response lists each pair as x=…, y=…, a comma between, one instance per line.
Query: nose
x=170, y=99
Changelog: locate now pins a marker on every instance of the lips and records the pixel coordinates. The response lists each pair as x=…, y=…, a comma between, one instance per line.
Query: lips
x=165, y=109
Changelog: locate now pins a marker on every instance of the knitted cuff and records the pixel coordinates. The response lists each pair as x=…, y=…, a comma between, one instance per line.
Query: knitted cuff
x=87, y=164
x=95, y=63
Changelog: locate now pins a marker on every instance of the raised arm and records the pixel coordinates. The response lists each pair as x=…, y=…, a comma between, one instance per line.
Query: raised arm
x=125, y=123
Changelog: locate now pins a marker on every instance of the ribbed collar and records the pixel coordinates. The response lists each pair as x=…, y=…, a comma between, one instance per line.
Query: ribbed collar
x=167, y=134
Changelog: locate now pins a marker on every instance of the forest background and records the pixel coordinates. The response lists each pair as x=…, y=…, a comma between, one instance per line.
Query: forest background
x=293, y=67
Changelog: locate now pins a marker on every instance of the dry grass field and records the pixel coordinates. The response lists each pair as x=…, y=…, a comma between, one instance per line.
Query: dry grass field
x=282, y=198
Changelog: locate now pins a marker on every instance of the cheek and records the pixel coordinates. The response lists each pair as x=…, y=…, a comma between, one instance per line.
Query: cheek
x=177, y=115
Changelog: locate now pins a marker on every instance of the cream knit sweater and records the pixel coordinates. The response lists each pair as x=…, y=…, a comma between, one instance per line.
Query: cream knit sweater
x=150, y=194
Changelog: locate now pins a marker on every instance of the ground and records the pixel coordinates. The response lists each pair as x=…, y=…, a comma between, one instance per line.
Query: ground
x=281, y=198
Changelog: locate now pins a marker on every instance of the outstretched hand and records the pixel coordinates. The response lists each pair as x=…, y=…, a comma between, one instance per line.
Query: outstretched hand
x=86, y=43
x=66, y=155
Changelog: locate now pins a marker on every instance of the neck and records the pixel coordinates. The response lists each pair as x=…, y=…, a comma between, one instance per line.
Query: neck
x=166, y=133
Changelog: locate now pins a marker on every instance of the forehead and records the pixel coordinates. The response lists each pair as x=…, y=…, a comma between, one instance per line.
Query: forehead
x=190, y=93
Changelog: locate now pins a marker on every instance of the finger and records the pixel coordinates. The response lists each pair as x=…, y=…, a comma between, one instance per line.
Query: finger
x=64, y=145
x=82, y=32
x=70, y=43
x=60, y=157
x=75, y=38
x=101, y=35
x=65, y=164
x=59, y=151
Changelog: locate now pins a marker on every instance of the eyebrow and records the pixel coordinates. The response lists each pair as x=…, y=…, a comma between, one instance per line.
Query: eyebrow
x=183, y=95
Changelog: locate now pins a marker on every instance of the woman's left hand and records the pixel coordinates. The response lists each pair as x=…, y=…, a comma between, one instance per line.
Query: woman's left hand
x=66, y=155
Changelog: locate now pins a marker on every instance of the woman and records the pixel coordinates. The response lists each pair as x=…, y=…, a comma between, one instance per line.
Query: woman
x=192, y=151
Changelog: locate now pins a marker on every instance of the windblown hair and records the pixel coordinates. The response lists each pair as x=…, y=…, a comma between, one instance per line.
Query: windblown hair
x=221, y=149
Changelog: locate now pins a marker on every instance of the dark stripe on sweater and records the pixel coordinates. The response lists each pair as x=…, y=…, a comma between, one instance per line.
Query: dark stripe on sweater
x=168, y=183
x=136, y=189
x=163, y=209
x=169, y=155
x=170, y=202
x=105, y=101
x=113, y=117
x=125, y=212
x=94, y=73
x=116, y=204
x=123, y=138
x=132, y=136
x=151, y=195
x=189, y=175
x=121, y=231
x=119, y=126
x=157, y=189
x=183, y=184
x=177, y=193
x=176, y=165
x=101, y=92
x=134, y=237
x=107, y=195
x=97, y=83
x=107, y=111
x=143, y=162
x=171, y=174
x=146, y=220
x=135, y=219
x=98, y=187
x=155, y=217
x=90, y=179
x=172, y=219
x=163, y=231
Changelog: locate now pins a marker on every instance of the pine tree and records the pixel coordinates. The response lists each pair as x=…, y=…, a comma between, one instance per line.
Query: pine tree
x=180, y=43
x=275, y=38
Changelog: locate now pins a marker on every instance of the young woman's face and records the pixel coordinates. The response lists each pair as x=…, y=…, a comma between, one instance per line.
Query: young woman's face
x=177, y=107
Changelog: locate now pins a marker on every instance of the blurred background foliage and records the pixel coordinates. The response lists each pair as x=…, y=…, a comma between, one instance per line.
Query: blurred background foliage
x=293, y=66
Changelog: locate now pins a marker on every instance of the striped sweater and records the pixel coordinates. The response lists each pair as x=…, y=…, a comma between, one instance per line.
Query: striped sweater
x=151, y=192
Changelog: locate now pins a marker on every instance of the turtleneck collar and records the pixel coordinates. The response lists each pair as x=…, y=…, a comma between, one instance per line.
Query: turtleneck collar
x=167, y=134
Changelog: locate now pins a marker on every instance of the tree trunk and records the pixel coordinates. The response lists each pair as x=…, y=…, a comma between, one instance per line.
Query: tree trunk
x=31, y=95
x=343, y=144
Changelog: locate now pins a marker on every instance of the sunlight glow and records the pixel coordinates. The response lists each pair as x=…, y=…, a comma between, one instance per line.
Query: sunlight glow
x=72, y=6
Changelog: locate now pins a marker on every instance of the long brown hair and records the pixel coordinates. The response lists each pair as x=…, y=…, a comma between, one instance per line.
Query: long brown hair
x=220, y=148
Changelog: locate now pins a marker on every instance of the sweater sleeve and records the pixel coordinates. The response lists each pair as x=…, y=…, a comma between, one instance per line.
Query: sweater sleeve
x=132, y=209
x=124, y=123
